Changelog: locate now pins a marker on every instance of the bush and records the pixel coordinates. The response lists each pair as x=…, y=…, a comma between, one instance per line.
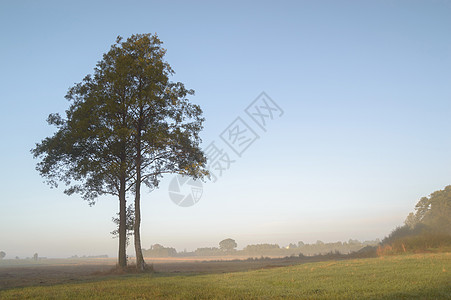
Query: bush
x=424, y=242
x=404, y=231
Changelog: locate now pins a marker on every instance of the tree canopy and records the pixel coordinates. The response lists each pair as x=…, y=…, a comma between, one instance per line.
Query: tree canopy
x=433, y=211
x=227, y=244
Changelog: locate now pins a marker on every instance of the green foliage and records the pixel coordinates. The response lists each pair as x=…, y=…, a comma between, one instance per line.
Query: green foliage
x=129, y=223
x=423, y=276
x=433, y=211
x=404, y=231
x=2, y=254
x=129, y=95
x=89, y=151
x=164, y=126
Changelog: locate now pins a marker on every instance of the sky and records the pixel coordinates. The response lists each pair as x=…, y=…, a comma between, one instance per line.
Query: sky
x=361, y=134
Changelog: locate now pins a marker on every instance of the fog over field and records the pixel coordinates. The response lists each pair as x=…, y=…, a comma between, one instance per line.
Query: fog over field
x=345, y=107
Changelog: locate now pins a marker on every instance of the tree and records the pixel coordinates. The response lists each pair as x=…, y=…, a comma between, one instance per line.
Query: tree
x=90, y=152
x=2, y=254
x=130, y=220
x=127, y=125
x=411, y=220
x=433, y=211
x=165, y=126
x=227, y=244
x=158, y=250
x=261, y=249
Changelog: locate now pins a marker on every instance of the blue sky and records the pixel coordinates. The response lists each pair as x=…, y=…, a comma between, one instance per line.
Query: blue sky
x=364, y=85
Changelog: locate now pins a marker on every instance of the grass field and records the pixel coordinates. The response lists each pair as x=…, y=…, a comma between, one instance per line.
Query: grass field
x=421, y=276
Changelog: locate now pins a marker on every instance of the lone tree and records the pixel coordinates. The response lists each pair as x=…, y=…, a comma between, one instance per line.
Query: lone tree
x=126, y=125
x=2, y=254
x=227, y=244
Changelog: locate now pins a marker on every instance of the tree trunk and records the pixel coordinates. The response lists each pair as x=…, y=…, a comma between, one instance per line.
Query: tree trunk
x=122, y=225
x=140, y=263
x=123, y=199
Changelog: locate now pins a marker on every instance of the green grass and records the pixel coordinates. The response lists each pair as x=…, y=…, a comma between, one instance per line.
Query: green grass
x=421, y=276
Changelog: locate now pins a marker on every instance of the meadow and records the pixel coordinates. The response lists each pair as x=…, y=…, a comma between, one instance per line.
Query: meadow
x=410, y=276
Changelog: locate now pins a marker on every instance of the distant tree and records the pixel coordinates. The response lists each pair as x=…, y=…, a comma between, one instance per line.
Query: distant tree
x=156, y=247
x=2, y=254
x=207, y=251
x=433, y=211
x=262, y=249
x=158, y=250
x=35, y=256
x=227, y=244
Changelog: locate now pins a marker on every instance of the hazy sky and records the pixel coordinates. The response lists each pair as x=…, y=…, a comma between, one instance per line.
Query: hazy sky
x=364, y=86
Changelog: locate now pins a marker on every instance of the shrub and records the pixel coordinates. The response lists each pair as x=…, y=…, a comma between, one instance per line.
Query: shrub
x=424, y=242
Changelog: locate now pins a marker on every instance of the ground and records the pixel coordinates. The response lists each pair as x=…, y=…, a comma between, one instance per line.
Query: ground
x=408, y=276
x=24, y=273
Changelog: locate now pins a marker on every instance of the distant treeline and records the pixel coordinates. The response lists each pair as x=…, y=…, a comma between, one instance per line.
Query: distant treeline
x=90, y=256
x=265, y=249
x=428, y=229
